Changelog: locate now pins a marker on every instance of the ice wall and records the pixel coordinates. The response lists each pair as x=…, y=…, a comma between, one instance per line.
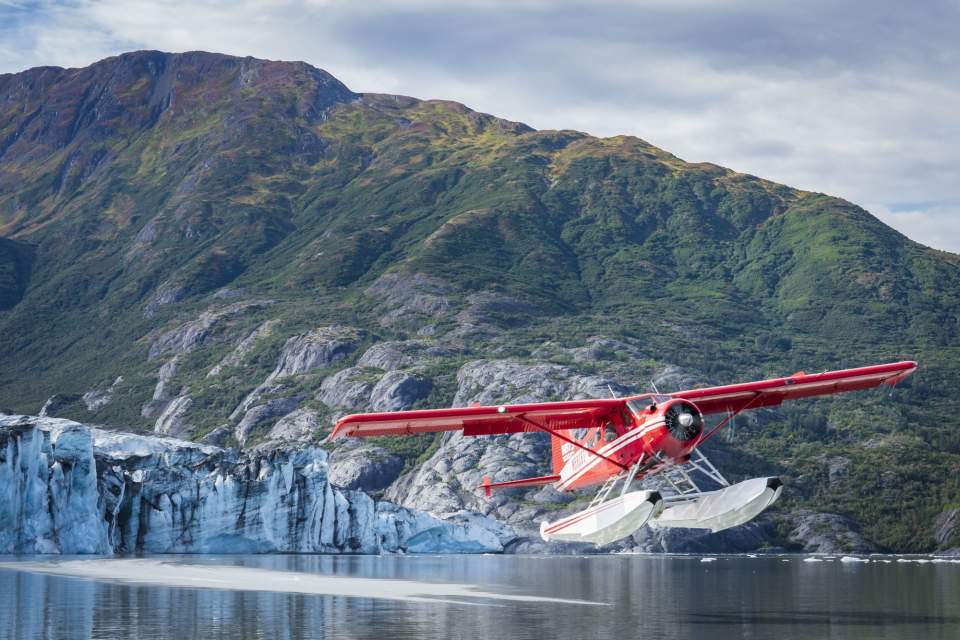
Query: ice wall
x=69, y=488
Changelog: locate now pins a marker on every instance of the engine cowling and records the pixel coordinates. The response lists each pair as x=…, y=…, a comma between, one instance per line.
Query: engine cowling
x=683, y=420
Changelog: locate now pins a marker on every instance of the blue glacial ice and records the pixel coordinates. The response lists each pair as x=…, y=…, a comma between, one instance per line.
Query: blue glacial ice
x=75, y=489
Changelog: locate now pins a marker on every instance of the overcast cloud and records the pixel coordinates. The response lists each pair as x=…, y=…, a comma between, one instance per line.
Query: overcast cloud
x=854, y=99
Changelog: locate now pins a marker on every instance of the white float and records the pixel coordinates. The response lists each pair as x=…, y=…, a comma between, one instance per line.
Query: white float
x=607, y=521
x=721, y=509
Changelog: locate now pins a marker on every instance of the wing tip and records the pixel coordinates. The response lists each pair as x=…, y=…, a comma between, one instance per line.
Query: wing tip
x=339, y=430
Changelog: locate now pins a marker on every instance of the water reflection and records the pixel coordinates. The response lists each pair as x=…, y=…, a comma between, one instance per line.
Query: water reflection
x=651, y=597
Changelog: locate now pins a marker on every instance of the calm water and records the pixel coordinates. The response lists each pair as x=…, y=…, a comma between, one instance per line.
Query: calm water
x=626, y=596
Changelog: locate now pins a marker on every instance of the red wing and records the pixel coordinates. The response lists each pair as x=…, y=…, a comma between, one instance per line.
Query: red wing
x=479, y=421
x=766, y=393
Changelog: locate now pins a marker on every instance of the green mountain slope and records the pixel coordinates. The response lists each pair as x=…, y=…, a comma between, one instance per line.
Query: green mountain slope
x=144, y=191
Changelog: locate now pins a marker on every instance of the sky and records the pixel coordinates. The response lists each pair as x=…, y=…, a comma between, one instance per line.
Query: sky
x=857, y=99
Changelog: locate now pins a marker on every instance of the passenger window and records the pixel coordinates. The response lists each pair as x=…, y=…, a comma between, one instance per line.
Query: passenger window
x=609, y=432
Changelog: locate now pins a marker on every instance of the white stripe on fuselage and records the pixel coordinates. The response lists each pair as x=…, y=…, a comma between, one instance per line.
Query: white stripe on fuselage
x=627, y=438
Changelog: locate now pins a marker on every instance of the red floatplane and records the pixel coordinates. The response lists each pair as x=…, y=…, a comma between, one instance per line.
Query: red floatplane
x=617, y=441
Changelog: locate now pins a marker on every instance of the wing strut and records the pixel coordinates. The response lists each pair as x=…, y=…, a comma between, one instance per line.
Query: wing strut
x=730, y=416
x=554, y=434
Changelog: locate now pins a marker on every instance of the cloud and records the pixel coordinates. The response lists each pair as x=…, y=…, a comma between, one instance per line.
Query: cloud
x=856, y=99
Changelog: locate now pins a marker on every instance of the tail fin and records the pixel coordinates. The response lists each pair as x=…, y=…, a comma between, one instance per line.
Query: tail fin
x=556, y=456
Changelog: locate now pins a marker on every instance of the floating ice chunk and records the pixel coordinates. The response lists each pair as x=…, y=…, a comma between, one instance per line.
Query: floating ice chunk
x=853, y=559
x=708, y=559
x=813, y=559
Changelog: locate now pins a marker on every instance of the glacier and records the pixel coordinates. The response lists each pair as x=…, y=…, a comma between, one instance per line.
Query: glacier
x=71, y=488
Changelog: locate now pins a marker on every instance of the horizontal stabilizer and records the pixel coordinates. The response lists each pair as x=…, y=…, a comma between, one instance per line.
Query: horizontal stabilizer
x=488, y=486
x=723, y=509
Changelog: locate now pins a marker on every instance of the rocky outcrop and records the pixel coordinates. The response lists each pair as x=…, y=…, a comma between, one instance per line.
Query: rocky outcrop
x=824, y=533
x=347, y=389
x=364, y=466
x=398, y=390
x=97, y=399
x=69, y=488
x=190, y=335
x=297, y=426
x=397, y=354
x=317, y=349
x=262, y=414
x=601, y=348
x=236, y=357
x=171, y=421
x=163, y=392
x=411, y=299
x=493, y=381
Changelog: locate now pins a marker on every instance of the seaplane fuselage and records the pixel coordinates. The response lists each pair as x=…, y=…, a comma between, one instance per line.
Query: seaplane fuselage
x=653, y=431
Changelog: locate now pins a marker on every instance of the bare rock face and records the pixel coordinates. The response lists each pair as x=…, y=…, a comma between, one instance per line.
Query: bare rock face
x=171, y=421
x=364, y=466
x=825, y=533
x=261, y=414
x=448, y=481
x=348, y=389
x=162, y=393
x=393, y=355
x=296, y=426
x=97, y=399
x=751, y=536
x=673, y=378
x=412, y=299
x=301, y=354
x=317, y=349
x=398, y=391
x=168, y=292
x=245, y=346
x=190, y=335
x=495, y=381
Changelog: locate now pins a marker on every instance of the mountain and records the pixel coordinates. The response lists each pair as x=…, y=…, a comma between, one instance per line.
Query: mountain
x=238, y=250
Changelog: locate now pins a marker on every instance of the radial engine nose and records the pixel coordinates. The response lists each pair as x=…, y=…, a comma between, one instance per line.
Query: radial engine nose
x=683, y=420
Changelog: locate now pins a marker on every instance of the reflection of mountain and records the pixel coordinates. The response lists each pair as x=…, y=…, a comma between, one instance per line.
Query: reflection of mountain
x=239, y=249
